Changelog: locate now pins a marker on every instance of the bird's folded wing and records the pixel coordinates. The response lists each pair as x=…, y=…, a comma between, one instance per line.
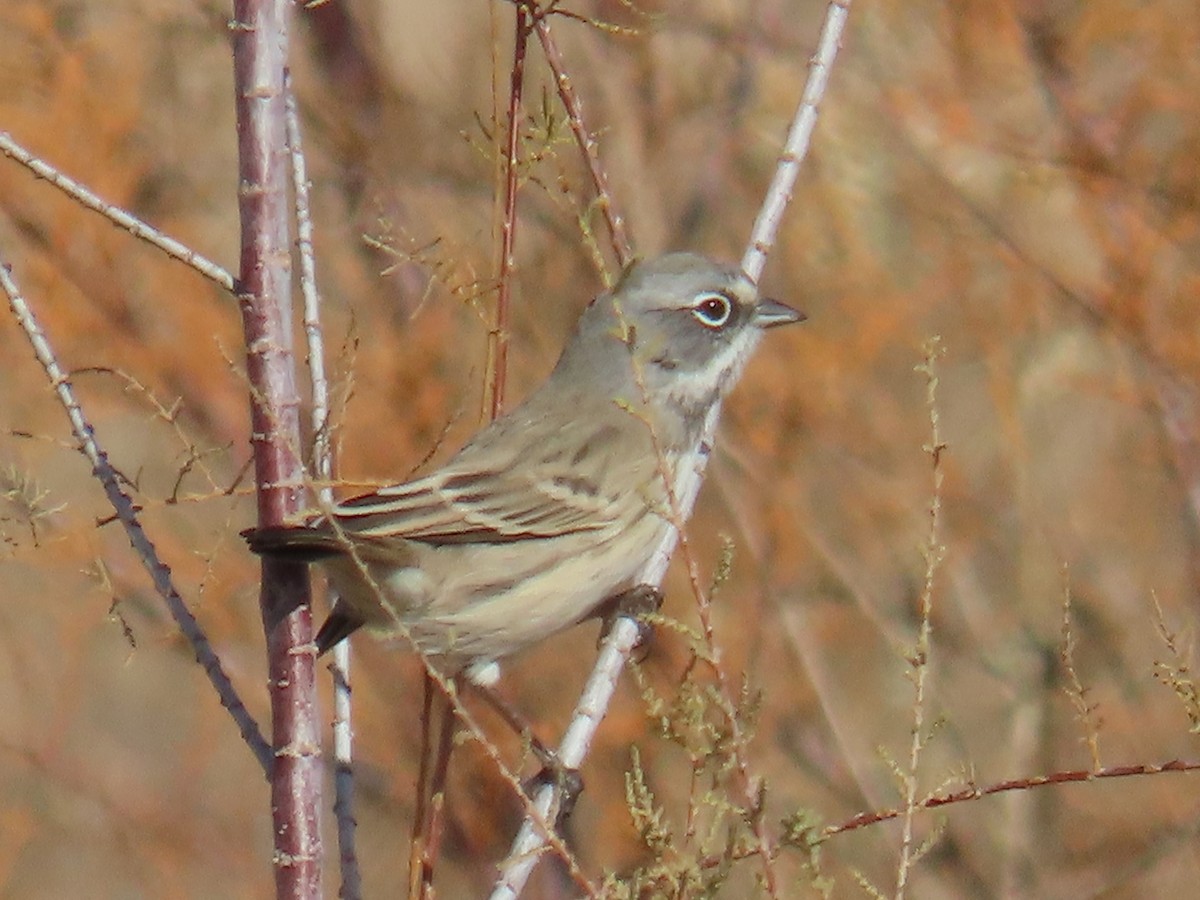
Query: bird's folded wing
x=464, y=506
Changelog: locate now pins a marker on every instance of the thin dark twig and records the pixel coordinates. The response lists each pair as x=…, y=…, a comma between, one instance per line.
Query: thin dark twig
x=498, y=339
x=429, y=839
x=159, y=573
x=437, y=801
x=588, y=146
x=417, y=842
x=973, y=792
x=131, y=223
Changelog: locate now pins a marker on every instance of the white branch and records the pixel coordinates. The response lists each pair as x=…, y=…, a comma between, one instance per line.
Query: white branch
x=593, y=703
x=131, y=223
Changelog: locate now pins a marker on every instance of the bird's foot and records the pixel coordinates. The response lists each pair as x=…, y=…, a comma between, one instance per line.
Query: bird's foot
x=637, y=603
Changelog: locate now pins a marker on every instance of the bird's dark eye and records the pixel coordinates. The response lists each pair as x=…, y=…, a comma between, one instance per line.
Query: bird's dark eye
x=712, y=310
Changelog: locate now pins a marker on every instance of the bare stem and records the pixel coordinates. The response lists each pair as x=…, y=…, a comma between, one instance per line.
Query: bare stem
x=159, y=573
x=919, y=661
x=119, y=217
x=428, y=838
x=260, y=38
x=779, y=194
x=498, y=338
x=323, y=465
x=437, y=802
x=973, y=792
x=589, y=148
x=623, y=635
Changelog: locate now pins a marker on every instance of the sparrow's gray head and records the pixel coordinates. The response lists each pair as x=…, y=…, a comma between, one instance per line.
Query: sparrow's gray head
x=681, y=325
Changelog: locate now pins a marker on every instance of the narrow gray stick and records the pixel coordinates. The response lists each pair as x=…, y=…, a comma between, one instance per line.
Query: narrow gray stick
x=115, y=214
x=343, y=753
x=160, y=574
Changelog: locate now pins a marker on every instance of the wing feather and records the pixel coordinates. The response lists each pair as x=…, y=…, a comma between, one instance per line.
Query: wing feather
x=589, y=479
x=450, y=507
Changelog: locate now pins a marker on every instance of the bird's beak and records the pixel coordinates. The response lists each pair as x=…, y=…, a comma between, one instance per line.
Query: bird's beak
x=770, y=313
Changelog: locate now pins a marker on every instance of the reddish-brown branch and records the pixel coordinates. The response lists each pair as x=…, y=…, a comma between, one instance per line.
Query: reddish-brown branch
x=1015, y=784
x=428, y=825
x=862, y=820
x=437, y=800
x=498, y=349
x=587, y=145
x=264, y=286
x=418, y=840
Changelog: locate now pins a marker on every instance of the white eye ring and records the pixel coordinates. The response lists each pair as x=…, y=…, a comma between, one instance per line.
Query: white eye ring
x=712, y=310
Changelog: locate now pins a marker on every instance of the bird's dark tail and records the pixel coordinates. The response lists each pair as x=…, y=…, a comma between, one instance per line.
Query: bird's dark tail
x=339, y=626
x=292, y=542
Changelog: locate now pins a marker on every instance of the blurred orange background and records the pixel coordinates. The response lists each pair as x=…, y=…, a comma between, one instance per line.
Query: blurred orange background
x=1020, y=178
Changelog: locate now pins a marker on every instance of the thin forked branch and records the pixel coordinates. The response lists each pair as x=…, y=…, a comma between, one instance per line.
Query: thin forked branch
x=159, y=573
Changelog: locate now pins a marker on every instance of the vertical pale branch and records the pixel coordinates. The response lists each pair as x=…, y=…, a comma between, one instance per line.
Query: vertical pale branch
x=260, y=31
x=622, y=637
x=322, y=451
x=123, y=505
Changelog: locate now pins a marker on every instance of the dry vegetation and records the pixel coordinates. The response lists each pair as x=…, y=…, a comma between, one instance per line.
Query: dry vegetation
x=1022, y=179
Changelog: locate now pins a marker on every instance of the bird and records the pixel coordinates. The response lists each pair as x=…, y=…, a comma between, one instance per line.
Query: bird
x=549, y=512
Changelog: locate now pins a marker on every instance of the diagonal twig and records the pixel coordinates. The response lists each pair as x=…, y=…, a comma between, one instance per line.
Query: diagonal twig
x=588, y=146
x=622, y=637
x=974, y=792
x=159, y=573
x=131, y=223
x=498, y=337
x=779, y=194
